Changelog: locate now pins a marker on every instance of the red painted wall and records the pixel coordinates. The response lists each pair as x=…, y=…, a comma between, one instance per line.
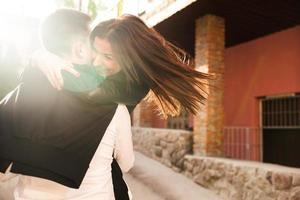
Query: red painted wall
x=263, y=67
x=267, y=66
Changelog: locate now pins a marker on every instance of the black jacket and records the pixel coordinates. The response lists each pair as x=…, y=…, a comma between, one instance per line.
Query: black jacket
x=50, y=134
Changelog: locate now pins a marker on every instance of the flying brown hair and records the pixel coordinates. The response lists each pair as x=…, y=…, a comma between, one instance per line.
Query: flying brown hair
x=145, y=56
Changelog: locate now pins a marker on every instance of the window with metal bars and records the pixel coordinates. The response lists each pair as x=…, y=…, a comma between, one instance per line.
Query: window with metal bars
x=180, y=122
x=281, y=112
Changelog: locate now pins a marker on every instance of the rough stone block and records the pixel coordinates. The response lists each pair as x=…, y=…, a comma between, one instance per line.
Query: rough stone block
x=295, y=194
x=281, y=181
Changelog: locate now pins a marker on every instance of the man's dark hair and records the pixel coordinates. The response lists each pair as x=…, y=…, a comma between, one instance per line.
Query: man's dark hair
x=60, y=28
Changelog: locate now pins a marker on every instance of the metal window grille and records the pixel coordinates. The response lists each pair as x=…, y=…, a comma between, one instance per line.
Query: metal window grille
x=281, y=112
x=180, y=122
x=242, y=143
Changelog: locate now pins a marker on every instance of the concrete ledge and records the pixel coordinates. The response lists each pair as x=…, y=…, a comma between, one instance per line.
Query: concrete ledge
x=247, y=180
x=247, y=163
x=161, y=130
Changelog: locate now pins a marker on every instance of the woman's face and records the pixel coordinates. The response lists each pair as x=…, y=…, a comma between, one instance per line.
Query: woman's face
x=104, y=57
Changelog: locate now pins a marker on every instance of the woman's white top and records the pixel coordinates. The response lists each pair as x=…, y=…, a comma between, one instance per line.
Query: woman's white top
x=97, y=183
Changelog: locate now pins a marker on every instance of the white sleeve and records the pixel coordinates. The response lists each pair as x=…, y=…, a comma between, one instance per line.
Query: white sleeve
x=124, y=148
x=2, y=176
x=7, y=175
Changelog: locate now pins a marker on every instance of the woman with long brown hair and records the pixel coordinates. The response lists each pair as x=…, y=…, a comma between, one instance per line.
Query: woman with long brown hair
x=146, y=57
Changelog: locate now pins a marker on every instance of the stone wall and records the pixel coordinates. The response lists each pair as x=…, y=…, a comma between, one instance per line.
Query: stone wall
x=229, y=178
x=164, y=145
x=243, y=180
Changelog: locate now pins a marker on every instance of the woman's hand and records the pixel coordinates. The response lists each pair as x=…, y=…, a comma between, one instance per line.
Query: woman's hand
x=51, y=66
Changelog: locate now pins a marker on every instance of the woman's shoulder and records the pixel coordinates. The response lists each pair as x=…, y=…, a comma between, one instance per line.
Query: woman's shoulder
x=122, y=110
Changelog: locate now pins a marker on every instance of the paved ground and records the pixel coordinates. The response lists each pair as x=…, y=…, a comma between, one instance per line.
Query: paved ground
x=150, y=180
x=140, y=190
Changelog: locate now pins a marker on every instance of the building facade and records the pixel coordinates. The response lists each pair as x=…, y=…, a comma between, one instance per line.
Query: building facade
x=253, y=109
x=253, y=51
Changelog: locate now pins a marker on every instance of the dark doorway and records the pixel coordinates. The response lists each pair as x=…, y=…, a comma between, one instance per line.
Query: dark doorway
x=281, y=130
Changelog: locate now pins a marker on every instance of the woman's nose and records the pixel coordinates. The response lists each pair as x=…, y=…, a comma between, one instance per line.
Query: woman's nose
x=93, y=55
x=96, y=61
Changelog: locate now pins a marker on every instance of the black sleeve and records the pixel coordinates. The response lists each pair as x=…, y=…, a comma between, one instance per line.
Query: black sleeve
x=119, y=185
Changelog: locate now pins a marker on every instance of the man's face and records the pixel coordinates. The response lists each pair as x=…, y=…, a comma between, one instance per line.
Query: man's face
x=85, y=52
x=104, y=57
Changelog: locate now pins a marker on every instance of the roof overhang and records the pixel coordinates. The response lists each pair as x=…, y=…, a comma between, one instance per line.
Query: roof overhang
x=245, y=20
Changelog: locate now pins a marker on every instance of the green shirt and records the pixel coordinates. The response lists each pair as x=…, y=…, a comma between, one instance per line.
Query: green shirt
x=88, y=80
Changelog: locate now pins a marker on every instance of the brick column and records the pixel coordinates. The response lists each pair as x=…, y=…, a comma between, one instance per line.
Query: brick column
x=209, y=57
x=142, y=115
